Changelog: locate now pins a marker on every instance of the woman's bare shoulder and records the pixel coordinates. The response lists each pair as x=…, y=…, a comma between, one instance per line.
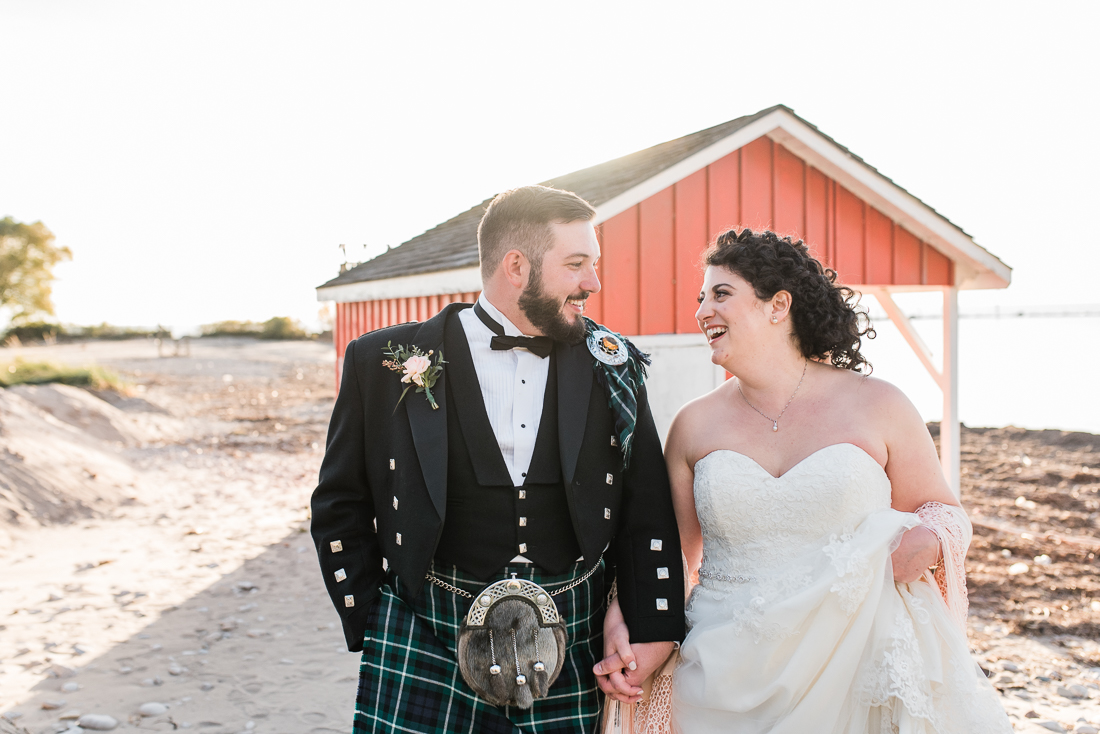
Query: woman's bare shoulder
x=867, y=392
x=696, y=415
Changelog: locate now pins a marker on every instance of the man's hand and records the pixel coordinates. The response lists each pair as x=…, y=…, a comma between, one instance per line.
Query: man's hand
x=625, y=666
x=919, y=549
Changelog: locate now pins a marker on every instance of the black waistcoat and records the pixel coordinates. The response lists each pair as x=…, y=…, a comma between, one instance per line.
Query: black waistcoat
x=489, y=520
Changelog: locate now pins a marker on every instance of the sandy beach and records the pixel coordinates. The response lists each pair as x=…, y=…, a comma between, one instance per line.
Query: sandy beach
x=156, y=566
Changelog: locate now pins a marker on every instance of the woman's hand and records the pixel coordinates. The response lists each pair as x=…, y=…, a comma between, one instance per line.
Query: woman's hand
x=617, y=657
x=919, y=549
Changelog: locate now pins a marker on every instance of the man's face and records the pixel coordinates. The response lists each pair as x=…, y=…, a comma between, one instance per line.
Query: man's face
x=556, y=292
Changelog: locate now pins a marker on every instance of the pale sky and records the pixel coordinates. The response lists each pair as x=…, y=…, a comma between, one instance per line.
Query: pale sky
x=203, y=160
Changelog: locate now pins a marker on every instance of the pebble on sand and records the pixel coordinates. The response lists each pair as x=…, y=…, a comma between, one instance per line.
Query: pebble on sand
x=98, y=722
x=1086, y=729
x=71, y=687
x=1053, y=726
x=152, y=709
x=60, y=671
x=1017, y=568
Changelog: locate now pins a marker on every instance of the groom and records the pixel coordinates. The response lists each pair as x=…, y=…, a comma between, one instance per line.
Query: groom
x=519, y=470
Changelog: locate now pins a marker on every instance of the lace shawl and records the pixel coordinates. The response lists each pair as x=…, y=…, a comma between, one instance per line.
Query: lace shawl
x=953, y=528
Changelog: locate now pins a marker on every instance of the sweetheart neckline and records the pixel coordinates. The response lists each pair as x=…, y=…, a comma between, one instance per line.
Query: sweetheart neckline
x=797, y=464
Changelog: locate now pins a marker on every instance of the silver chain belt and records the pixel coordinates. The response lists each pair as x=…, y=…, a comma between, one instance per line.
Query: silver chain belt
x=461, y=592
x=738, y=579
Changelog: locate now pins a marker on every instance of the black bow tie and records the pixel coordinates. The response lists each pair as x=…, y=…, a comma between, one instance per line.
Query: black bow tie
x=538, y=345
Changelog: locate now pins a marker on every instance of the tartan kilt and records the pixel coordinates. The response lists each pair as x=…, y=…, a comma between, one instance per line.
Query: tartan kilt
x=409, y=679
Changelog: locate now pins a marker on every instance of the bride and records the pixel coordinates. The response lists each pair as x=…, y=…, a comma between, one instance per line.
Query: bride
x=811, y=506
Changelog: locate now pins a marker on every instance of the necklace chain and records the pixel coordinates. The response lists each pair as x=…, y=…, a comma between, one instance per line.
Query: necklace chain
x=775, y=421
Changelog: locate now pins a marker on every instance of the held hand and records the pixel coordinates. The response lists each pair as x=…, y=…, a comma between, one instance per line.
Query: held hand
x=919, y=549
x=618, y=658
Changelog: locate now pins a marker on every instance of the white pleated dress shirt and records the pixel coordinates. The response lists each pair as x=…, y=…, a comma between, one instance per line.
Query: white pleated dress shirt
x=513, y=384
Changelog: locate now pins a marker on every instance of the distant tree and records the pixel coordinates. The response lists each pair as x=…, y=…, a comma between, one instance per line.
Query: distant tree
x=27, y=257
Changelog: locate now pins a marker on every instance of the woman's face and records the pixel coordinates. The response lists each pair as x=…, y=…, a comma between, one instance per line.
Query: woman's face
x=730, y=314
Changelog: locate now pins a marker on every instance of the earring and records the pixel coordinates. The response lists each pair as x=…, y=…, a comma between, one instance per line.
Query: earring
x=775, y=320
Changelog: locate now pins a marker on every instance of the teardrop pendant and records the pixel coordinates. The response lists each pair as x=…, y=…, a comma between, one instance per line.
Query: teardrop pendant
x=775, y=425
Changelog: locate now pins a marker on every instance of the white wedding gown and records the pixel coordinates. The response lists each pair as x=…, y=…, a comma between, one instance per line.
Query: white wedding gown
x=797, y=625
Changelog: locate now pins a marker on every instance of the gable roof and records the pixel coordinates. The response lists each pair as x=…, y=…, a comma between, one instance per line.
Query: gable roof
x=453, y=244
x=616, y=185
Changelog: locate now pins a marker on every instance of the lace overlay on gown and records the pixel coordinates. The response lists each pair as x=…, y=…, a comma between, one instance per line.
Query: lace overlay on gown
x=796, y=624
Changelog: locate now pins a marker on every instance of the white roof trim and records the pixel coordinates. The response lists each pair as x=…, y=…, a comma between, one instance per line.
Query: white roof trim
x=975, y=267
x=456, y=280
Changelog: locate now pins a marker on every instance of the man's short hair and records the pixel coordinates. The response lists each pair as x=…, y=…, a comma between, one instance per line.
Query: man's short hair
x=520, y=220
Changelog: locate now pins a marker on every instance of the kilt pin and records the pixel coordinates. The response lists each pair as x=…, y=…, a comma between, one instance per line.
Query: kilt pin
x=380, y=510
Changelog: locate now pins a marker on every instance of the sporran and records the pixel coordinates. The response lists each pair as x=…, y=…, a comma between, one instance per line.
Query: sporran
x=511, y=645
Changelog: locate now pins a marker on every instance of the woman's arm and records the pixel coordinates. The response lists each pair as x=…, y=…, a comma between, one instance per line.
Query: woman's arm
x=681, y=474
x=916, y=476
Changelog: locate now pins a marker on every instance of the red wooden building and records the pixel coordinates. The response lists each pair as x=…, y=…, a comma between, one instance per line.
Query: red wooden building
x=657, y=209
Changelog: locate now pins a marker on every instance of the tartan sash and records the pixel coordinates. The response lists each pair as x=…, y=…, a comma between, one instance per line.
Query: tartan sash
x=409, y=679
x=621, y=384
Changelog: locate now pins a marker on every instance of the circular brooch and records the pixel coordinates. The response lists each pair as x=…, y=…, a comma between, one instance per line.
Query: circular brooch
x=607, y=347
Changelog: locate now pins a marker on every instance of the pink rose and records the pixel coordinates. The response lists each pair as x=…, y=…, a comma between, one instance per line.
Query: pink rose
x=415, y=367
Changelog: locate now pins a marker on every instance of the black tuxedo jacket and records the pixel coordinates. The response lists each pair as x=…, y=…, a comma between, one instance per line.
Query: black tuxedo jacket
x=375, y=444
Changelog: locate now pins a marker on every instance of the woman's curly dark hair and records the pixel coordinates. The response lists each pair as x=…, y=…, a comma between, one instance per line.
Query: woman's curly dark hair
x=828, y=323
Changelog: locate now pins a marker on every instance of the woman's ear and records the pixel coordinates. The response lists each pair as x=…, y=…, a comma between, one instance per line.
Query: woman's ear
x=516, y=268
x=780, y=306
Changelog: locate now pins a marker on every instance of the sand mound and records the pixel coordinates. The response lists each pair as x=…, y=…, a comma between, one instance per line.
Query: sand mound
x=62, y=452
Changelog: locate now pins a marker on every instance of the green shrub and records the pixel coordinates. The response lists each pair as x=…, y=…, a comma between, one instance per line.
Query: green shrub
x=20, y=372
x=35, y=331
x=279, y=327
x=110, y=331
x=232, y=328
x=283, y=327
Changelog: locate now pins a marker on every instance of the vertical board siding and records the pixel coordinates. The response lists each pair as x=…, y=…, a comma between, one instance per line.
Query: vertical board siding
x=790, y=193
x=620, y=271
x=593, y=308
x=650, y=266
x=937, y=267
x=817, y=220
x=355, y=319
x=690, y=239
x=849, y=236
x=723, y=195
x=756, y=184
x=880, y=249
x=657, y=264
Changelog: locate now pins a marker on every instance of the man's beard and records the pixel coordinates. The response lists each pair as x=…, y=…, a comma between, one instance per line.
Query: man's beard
x=544, y=312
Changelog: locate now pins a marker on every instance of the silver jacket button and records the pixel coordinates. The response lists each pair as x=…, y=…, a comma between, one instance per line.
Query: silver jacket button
x=349, y=600
x=336, y=546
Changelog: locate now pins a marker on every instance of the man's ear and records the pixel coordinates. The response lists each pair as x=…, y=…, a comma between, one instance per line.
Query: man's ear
x=516, y=268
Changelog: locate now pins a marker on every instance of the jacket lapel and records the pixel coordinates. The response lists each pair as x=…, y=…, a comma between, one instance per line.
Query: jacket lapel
x=574, y=390
x=489, y=466
x=429, y=427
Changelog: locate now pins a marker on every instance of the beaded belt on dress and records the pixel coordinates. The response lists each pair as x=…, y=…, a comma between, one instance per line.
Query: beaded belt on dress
x=737, y=579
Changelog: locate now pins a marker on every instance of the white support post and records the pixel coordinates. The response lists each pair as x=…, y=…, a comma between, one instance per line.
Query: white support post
x=950, y=436
x=905, y=326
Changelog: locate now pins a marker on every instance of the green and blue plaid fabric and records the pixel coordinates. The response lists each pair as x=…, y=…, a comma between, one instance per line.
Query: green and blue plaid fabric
x=409, y=679
x=622, y=384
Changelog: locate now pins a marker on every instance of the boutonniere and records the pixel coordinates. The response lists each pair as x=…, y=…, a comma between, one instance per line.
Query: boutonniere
x=417, y=368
